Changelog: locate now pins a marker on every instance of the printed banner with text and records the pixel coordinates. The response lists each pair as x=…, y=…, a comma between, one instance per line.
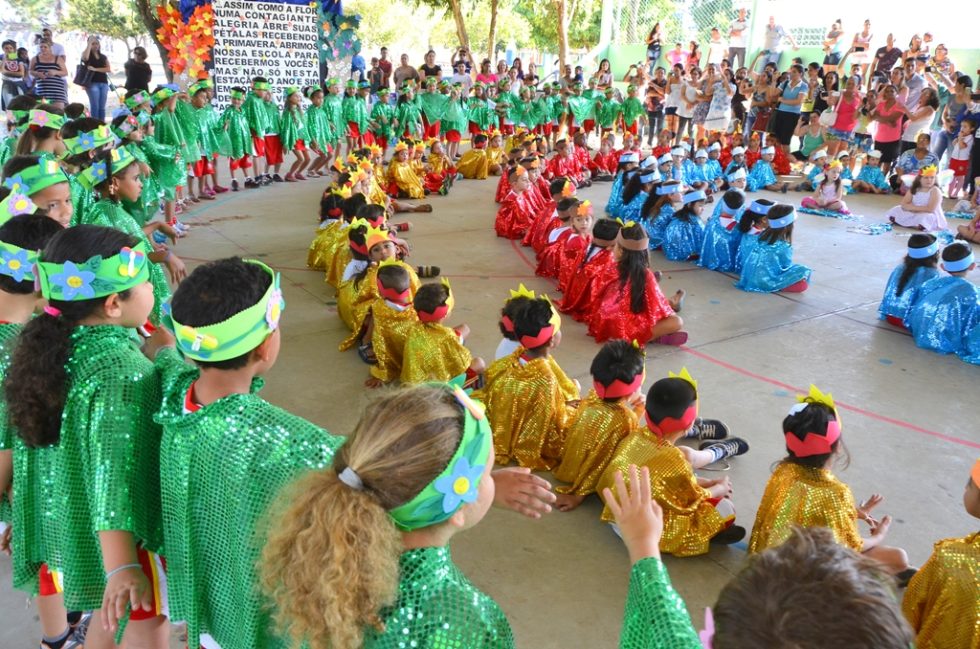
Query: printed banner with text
x=276, y=40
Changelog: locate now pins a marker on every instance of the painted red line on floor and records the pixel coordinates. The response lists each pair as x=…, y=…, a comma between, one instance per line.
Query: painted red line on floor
x=520, y=253
x=855, y=409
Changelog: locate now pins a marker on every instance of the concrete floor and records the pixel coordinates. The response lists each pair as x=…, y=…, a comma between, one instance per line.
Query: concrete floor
x=562, y=580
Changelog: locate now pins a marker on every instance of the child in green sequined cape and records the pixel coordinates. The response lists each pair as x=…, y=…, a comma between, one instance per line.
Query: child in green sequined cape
x=79, y=389
x=20, y=238
x=167, y=132
x=292, y=133
x=318, y=133
x=220, y=438
x=130, y=134
x=234, y=122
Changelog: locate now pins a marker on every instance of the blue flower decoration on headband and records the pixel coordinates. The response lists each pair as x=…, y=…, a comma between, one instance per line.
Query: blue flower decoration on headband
x=86, y=141
x=15, y=183
x=74, y=281
x=100, y=170
x=460, y=485
x=15, y=264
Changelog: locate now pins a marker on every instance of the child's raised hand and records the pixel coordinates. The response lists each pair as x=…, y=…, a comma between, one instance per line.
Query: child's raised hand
x=640, y=519
x=864, y=509
x=522, y=491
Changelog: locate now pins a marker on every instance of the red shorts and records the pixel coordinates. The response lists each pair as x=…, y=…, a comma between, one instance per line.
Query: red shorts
x=155, y=569
x=243, y=163
x=959, y=167
x=299, y=146
x=381, y=141
x=549, y=128
x=431, y=130
x=506, y=129
x=258, y=145
x=49, y=582
x=475, y=128
x=273, y=150
x=203, y=167
x=589, y=125
x=353, y=130
x=633, y=128
x=454, y=136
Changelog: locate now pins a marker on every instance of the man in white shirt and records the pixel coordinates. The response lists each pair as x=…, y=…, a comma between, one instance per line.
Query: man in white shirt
x=775, y=35
x=717, y=50
x=736, y=40
x=56, y=48
x=462, y=77
x=915, y=82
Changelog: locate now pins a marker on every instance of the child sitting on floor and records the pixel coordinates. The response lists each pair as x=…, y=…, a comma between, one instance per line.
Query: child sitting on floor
x=753, y=223
x=871, y=180
x=433, y=351
x=918, y=267
x=628, y=162
x=392, y=318
x=439, y=170
x=941, y=600
x=515, y=213
x=589, y=269
x=721, y=236
x=659, y=209
x=922, y=205
x=761, y=175
x=564, y=242
x=769, y=266
x=562, y=192
x=629, y=305
x=829, y=193
x=803, y=491
x=637, y=192
x=684, y=234
x=697, y=511
x=947, y=309
x=609, y=413
x=508, y=315
x=528, y=397
x=475, y=163
x=403, y=181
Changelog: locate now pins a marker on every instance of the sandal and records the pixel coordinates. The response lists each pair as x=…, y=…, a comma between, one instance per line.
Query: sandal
x=426, y=272
x=675, y=339
x=366, y=353
x=403, y=227
x=680, y=295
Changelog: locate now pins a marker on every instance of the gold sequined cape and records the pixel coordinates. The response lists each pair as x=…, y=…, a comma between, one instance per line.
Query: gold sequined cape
x=942, y=602
x=591, y=437
x=527, y=408
x=404, y=176
x=391, y=328
x=433, y=352
x=808, y=497
x=474, y=165
x=323, y=248
x=354, y=301
x=690, y=520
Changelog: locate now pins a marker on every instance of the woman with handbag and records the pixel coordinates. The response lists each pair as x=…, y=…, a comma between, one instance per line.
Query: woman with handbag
x=842, y=117
x=97, y=87
x=50, y=72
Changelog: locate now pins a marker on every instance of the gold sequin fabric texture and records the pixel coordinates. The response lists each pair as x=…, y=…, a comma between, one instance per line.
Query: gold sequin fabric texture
x=107, y=473
x=323, y=248
x=591, y=438
x=391, y=328
x=808, y=497
x=221, y=466
x=690, y=520
x=526, y=406
x=655, y=614
x=942, y=602
x=439, y=608
x=433, y=352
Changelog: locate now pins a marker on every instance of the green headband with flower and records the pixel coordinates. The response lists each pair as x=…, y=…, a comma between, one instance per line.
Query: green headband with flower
x=261, y=85
x=459, y=482
x=27, y=182
x=236, y=94
x=138, y=99
x=291, y=90
x=16, y=262
x=43, y=119
x=239, y=334
x=88, y=140
x=127, y=126
x=97, y=277
x=162, y=94
x=93, y=175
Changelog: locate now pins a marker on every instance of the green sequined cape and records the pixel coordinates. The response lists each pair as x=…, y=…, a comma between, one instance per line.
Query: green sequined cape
x=221, y=467
x=191, y=128
x=333, y=107
x=582, y=108
x=292, y=128
x=8, y=338
x=408, y=115
x=607, y=112
x=107, y=472
x=112, y=215
x=167, y=130
x=271, y=117
x=318, y=127
x=439, y=608
x=433, y=105
x=146, y=208
x=163, y=161
x=655, y=615
x=256, y=115
x=632, y=109
x=479, y=113
x=235, y=122
x=354, y=109
x=382, y=119
x=213, y=137
x=455, y=118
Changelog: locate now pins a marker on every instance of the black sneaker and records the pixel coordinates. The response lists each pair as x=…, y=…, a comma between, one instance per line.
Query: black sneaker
x=265, y=179
x=234, y=185
x=251, y=183
x=277, y=178
x=730, y=447
x=709, y=429
x=732, y=534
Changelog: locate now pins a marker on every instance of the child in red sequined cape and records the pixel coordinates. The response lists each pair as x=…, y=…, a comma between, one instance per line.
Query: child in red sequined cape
x=589, y=269
x=515, y=213
x=630, y=304
x=547, y=217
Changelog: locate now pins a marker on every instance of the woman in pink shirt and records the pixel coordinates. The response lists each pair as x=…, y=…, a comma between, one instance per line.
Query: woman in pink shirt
x=846, y=104
x=485, y=75
x=888, y=138
x=678, y=55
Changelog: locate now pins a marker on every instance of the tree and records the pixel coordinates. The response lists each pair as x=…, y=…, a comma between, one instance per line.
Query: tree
x=456, y=7
x=117, y=19
x=493, y=28
x=147, y=10
x=33, y=10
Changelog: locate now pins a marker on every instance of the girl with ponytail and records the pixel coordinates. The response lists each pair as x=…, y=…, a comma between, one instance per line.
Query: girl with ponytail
x=630, y=304
x=359, y=555
x=81, y=396
x=918, y=267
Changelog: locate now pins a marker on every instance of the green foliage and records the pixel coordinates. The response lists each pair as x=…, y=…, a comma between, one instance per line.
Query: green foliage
x=33, y=11
x=511, y=26
x=394, y=22
x=116, y=19
x=711, y=13
x=542, y=23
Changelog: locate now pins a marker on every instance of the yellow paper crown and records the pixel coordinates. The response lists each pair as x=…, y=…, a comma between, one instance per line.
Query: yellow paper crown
x=401, y=146
x=931, y=170
x=522, y=291
x=375, y=148
x=836, y=164
x=365, y=165
x=420, y=146
x=625, y=224
x=343, y=191
x=685, y=376
x=555, y=319
x=391, y=261
x=374, y=236
x=450, y=298
x=352, y=159
x=816, y=396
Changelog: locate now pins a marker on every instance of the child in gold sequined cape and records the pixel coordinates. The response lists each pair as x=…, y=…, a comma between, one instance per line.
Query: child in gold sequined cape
x=433, y=351
x=392, y=317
